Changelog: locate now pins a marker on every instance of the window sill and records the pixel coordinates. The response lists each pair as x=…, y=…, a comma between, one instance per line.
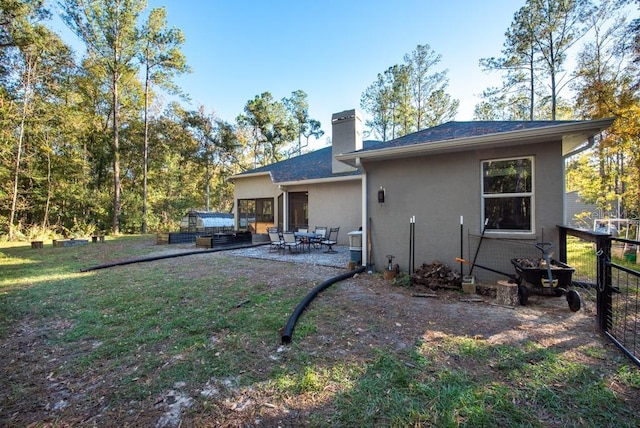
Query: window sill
x=510, y=235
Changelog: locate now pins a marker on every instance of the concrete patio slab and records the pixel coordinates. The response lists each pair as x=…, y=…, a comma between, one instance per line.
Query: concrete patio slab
x=339, y=259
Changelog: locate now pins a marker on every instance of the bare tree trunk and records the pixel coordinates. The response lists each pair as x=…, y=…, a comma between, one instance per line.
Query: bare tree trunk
x=16, y=176
x=45, y=219
x=116, y=159
x=16, y=173
x=145, y=155
x=208, y=179
x=532, y=86
x=552, y=65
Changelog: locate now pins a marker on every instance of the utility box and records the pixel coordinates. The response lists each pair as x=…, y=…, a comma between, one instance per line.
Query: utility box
x=355, y=246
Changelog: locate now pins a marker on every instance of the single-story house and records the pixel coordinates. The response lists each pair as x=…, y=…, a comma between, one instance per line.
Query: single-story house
x=583, y=215
x=503, y=178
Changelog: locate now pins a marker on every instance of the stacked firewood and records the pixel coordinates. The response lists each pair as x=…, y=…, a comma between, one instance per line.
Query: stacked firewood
x=531, y=263
x=437, y=275
x=537, y=264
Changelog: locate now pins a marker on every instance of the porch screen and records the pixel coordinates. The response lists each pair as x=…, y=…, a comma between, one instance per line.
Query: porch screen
x=507, y=194
x=255, y=214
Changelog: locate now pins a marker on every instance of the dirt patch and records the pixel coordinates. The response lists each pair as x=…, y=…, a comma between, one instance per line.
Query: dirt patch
x=379, y=314
x=368, y=314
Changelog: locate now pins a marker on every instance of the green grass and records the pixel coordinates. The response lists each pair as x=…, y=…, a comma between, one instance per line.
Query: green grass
x=582, y=256
x=522, y=387
x=146, y=327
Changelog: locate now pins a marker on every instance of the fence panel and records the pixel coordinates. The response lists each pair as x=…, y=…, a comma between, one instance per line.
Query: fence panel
x=624, y=300
x=581, y=254
x=607, y=276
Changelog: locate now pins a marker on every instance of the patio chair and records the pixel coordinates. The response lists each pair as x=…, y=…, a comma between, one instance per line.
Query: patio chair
x=332, y=239
x=290, y=241
x=277, y=243
x=321, y=232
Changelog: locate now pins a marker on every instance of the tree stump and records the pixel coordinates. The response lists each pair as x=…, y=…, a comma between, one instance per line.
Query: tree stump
x=507, y=293
x=36, y=244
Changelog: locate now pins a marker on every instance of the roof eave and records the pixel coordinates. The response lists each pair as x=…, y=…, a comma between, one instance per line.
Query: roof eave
x=320, y=180
x=249, y=175
x=572, y=134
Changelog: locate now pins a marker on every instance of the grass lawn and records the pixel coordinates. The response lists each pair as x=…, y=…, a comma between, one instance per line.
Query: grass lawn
x=194, y=341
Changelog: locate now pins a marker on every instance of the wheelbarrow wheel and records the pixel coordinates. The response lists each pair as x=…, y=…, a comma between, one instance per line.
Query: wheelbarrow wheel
x=523, y=293
x=573, y=299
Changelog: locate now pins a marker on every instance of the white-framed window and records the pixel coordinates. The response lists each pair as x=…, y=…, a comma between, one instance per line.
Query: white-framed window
x=508, y=194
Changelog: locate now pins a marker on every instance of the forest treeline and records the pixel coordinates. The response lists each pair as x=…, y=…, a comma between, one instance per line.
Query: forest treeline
x=87, y=144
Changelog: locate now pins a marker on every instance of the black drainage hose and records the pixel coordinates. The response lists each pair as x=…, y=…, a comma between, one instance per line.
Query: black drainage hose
x=288, y=330
x=167, y=256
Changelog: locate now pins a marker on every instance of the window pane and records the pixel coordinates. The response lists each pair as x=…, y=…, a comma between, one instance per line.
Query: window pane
x=507, y=176
x=264, y=210
x=508, y=213
x=246, y=212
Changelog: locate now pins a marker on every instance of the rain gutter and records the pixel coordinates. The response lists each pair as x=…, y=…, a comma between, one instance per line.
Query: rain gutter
x=365, y=213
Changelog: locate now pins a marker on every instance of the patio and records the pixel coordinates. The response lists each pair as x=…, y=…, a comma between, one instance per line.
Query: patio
x=339, y=259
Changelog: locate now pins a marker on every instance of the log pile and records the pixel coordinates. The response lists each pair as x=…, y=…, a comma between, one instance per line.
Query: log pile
x=530, y=263
x=537, y=264
x=437, y=275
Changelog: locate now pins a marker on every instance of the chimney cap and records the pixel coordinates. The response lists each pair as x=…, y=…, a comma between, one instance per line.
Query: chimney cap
x=343, y=115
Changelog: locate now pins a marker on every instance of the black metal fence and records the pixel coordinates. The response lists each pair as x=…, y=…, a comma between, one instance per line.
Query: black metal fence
x=607, y=275
x=186, y=237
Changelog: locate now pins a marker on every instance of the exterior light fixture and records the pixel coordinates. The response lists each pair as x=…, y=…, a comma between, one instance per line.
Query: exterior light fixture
x=381, y=195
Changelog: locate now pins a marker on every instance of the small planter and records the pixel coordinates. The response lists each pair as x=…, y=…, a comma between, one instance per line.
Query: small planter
x=204, y=242
x=69, y=242
x=389, y=274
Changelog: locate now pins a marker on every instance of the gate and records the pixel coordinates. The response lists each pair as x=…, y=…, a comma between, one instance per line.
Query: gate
x=606, y=271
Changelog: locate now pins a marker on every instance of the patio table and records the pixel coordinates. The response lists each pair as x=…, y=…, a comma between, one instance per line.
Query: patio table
x=308, y=236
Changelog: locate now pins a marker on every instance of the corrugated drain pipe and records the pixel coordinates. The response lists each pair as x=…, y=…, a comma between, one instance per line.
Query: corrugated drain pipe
x=167, y=256
x=288, y=330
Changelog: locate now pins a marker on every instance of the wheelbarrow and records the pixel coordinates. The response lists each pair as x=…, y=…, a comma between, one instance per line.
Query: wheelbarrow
x=546, y=277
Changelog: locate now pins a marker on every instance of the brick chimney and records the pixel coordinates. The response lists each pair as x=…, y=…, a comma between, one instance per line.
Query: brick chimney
x=346, y=128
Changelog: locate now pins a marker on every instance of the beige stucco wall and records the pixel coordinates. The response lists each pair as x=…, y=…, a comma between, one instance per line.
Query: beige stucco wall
x=331, y=204
x=259, y=186
x=437, y=190
x=336, y=204
x=253, y=187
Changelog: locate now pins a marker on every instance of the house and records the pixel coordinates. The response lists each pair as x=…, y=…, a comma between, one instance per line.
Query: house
x=306, y=191
x=503, y=180
x=579, y=213
x=583, y=215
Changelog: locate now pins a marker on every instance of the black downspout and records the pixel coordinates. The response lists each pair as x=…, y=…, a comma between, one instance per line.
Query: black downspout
x=288, y=330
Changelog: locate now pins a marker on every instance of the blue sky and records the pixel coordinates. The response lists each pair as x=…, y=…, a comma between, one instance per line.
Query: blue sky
x=330, y=49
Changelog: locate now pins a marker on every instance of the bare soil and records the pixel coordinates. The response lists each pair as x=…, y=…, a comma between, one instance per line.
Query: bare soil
x=368, y=313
